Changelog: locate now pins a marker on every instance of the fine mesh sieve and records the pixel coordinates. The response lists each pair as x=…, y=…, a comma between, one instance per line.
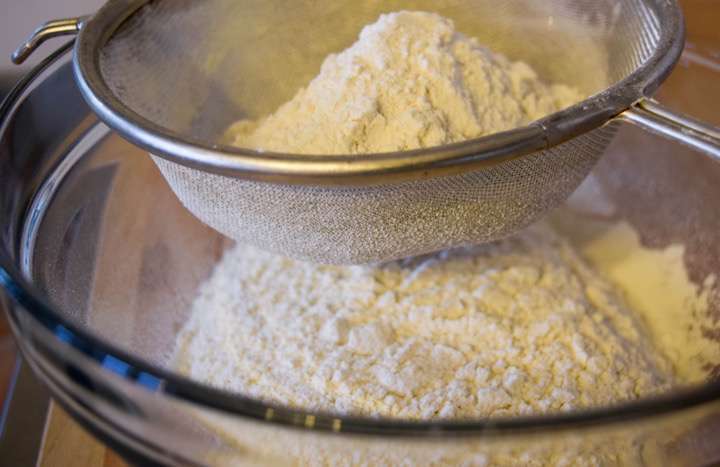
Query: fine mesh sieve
x=171, y=76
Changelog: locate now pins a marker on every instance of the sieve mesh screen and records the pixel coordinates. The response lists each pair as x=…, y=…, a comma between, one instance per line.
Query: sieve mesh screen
x=358, y=225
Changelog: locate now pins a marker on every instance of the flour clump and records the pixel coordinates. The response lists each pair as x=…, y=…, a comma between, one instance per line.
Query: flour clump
x=410, y=81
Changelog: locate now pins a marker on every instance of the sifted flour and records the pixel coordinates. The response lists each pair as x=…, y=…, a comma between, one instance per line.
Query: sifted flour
x=516, y=327
x=410, y=81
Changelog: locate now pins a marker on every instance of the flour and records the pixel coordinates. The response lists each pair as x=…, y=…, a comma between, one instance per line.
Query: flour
x=517, y=327
x=410, y=81
x=656, y=286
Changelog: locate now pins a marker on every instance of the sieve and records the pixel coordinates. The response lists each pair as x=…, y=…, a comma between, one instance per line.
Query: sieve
x=171, y=76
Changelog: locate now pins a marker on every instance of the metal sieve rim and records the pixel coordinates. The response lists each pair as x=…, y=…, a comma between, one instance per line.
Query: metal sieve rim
x=366, y=169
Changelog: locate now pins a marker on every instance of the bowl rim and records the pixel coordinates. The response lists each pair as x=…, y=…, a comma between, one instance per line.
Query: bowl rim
x=137, y=371
x=367, y=169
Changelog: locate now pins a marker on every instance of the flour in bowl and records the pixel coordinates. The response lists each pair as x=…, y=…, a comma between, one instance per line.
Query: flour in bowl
x=410, y=81
x=518, y=327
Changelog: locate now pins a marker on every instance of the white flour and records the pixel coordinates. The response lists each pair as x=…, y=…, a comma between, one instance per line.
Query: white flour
x=410, y=81
x=516, y=327
x=655, y=284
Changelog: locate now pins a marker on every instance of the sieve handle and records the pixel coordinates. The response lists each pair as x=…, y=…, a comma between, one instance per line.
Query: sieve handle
x=49, y=30
x=650, y=115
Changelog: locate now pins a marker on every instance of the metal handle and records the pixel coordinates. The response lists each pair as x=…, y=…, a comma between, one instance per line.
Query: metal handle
x=651, y=116
x=55, y=28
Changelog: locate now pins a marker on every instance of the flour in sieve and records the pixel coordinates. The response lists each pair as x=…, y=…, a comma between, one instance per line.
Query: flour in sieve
x=410, y=81
x=516, y=327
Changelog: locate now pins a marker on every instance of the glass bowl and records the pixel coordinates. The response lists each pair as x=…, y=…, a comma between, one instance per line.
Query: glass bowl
x=100, y=262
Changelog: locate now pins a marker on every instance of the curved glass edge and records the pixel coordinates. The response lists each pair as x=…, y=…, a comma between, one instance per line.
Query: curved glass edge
x=64, y=386
x=47, y=190
x=135, y=371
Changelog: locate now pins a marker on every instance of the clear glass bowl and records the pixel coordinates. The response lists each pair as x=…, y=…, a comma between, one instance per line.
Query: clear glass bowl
x=99, y=263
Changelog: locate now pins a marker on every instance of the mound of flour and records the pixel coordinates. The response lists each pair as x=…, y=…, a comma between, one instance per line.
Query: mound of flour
x=410, y=81
x=516, y=327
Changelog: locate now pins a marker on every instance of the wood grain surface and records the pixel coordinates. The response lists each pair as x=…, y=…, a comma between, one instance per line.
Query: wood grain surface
x=66, y=444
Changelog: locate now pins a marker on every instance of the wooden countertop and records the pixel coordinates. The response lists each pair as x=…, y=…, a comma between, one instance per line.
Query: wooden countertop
x=65, y=443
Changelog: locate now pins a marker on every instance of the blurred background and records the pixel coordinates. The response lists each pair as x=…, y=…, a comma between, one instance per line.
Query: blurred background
x=19, y=17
